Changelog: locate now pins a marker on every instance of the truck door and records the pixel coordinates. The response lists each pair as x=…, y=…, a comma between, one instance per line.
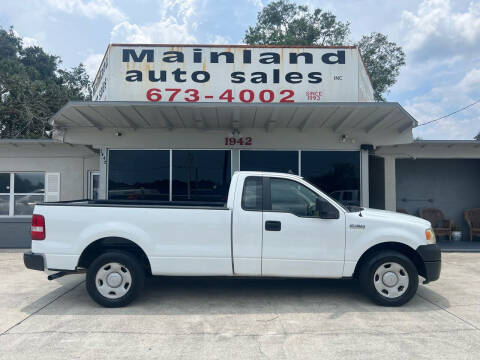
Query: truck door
x=247, y=226
x=297, y=241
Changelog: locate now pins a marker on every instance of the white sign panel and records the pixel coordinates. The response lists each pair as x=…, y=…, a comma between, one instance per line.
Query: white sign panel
x=238, y=74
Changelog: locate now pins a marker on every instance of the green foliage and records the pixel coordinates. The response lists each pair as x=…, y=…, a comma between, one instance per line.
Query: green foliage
x=383, y=60
x=33, y=87
x=283, y=22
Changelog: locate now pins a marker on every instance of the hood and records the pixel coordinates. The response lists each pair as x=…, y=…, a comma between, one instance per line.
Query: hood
x=392, y=215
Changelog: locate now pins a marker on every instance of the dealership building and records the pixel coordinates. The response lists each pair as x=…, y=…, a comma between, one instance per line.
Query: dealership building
x=171, y=122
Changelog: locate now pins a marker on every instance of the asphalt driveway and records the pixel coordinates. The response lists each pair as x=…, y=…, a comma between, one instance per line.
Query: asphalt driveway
x=201, y=318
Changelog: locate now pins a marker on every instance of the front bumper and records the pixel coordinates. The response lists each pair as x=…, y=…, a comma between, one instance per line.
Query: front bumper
x=432, y=260
x=34, y=261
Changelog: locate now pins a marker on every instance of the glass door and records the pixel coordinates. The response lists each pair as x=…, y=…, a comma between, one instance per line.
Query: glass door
x=93, y=182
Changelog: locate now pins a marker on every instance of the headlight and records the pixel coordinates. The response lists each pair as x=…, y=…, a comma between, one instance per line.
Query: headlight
x=430, y=236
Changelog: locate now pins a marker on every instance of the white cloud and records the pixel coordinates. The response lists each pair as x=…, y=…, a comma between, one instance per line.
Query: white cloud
x=90, y=9
x=92, y=64
x=441, y=39
x=165, y=31
x=256, y=3
x=29, y=41
x=436, y=29
x=177, y=25
x=183, y=9
x=221, y=40
x=444, y=99
x=470, y=82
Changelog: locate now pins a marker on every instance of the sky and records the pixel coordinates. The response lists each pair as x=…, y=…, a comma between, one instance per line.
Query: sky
x=441, y=39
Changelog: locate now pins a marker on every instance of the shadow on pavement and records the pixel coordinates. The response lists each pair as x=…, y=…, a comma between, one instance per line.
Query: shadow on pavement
x=214, y=295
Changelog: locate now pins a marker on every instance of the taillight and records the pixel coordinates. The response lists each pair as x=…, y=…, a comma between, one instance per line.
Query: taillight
x=38, y=227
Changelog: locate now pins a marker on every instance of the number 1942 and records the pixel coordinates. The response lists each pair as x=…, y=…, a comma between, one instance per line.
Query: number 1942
x=242, y=141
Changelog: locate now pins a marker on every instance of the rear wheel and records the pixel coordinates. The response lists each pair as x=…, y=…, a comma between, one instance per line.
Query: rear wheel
x=389, y=278
x=114, y=279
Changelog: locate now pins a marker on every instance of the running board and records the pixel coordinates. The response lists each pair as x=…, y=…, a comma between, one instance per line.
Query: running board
x=63, y=273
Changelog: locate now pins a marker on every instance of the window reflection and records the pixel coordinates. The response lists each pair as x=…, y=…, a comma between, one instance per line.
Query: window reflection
x=95, y=186
x=201, y=175
x=139, y=174
x=337, y=173
x=24, y=204
x=4, y=183
x=275, y=161
x=252, y=193
x=290, y=196
x=29, y=182
x=4, y=204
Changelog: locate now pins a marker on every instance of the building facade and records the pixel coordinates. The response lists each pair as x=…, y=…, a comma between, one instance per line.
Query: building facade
x=174, y=122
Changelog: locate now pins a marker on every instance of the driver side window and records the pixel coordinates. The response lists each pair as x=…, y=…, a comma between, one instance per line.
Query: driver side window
x=293, y=197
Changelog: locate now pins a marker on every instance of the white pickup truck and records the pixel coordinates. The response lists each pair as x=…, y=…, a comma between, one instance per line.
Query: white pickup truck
x=273, y=225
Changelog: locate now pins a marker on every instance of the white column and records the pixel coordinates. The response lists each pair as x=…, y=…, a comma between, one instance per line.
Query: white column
x=364, y=178
x=235, y=160
x=102, y=186
x=390, y=184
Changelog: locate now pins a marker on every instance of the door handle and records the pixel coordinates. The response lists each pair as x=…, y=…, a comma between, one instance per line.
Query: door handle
x=273, y=225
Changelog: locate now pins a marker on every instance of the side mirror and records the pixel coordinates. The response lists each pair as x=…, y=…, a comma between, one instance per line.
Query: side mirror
x=326, y=210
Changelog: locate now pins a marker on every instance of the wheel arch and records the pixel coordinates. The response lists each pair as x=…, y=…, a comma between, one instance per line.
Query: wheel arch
x=102, y=245
x=395, y=246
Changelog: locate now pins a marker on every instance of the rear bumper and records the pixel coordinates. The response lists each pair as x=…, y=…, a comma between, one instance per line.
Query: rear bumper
x=432, y=260
x=34, y=261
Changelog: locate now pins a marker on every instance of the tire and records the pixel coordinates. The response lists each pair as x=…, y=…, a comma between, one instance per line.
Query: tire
x=114, y=279
x=389, y=278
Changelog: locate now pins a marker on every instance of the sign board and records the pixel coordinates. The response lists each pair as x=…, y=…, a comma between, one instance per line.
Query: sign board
x=238, y=74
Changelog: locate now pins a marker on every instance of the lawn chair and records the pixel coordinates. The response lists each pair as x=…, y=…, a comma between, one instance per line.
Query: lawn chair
x=441, y=226
x=472, y=217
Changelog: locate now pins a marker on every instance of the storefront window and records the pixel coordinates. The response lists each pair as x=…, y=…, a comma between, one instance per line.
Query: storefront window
x=276, y=161
x=139, y=174
x=4, y=183
x=4, y=205
x=29, y=182
x=4, y=194
x=24, y=204
x=337, y=173
x=19, y=192
x=200, y=175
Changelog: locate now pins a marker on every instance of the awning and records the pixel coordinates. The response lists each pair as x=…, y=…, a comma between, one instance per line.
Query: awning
x=367, y=117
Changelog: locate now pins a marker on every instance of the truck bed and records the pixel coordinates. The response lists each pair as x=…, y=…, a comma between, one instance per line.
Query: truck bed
x=140, y=203
x=176, y=236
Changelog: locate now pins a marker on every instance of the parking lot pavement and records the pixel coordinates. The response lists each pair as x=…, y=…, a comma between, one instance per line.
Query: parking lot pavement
x=212, y=318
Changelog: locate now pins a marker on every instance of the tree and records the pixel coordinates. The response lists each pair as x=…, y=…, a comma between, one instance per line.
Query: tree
x=383, y=60
x=33, y=87
x=477, y=137
x=284, y=23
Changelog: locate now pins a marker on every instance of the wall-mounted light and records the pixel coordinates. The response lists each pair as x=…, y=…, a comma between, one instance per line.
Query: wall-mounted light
x=345, y=139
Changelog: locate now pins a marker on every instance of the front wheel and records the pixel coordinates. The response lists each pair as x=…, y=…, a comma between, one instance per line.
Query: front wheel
x=389, y=278
x=114, y=279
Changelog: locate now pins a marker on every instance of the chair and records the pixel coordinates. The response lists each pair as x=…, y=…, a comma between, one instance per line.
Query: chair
x=441, y=226
x=472, y=217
